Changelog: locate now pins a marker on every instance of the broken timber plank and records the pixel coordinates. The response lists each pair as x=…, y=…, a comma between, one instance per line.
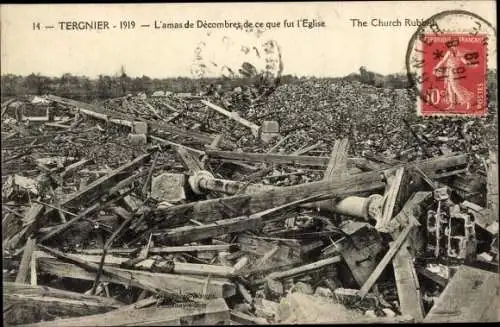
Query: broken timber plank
x=99, y=186
x=492, y=185
x=192, y=233
x=74, y=166
x=280, y=142
x=153, y=282
x=316, y=161
x=178, y=267
x=234, y=116
x=181, y=235
x=199, y=152
x=359, y=248
x=167, y=249
x=385, y=260
x=30, y=221
x=34, y=302
x=33, y=269
x=337, y=166
x=307, y=149
x=305, y=268
x=213, y=312
x=338, y=159
x=390, y=199
x=211, y=210
x=22, y=274
x=269, y=158
x=472, y=295
x=190, y=161
x=410, y=297
x=94, y=112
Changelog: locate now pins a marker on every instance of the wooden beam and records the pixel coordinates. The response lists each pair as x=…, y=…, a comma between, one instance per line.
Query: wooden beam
x=271, y=158
x=192, y=163
x=338, y=159
x=472, y=295
x=181, y=235
x=305, y=268
x=167, y=249
x=153, y=282
x=214, y=209
x=95, y=189
x=390, y=199
x=307, y=149
x=92, y=111
x=385, y=261
x=410, y=297
x=31, y=303
x=234, y=116
x=33, y=269
x=315, y=161
x=176, y=145
x=492, y=185
x=192, y=233
x=22, y=274
x=178, y=267
x=213, y=312
x=74, y=166
x=280, y=142
x=30, y=222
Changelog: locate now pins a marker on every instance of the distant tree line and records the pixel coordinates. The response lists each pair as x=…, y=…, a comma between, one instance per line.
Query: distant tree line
x=104, y=86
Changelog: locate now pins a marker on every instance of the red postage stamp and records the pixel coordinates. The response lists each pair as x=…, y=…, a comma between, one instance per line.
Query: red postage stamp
x=453, y=75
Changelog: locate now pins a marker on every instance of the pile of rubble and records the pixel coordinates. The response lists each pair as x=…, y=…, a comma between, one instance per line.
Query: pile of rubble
x=145, y=210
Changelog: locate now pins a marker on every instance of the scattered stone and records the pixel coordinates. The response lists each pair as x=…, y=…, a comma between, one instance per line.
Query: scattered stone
x=388, y=312
x=370, y=313
x=168, y=187
x=303, y=288
x=274, y=289
x=323, y=291
x=139, y=127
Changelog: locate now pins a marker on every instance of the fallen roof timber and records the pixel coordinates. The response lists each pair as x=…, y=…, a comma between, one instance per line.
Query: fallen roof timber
x=214, y=312
x=92, y=111
x=168, y=283
x=30, y=303
x=215, y=209
x=472, y=295
x=166, y=249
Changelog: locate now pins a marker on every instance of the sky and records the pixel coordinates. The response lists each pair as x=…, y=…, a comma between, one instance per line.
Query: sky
x=337, y=49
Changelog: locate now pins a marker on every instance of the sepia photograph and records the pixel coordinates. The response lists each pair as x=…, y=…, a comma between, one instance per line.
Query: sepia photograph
x=249, y=163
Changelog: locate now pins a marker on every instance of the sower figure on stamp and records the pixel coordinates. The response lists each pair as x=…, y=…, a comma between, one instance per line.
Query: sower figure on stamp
x=451, y=69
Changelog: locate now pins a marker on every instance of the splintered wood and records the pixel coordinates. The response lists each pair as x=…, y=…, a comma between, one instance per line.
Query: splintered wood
x=145, y=210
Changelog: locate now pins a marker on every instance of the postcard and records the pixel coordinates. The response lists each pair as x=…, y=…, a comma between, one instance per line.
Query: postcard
x=249, y=163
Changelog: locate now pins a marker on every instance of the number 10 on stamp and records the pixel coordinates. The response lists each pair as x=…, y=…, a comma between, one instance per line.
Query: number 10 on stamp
x=452, y=74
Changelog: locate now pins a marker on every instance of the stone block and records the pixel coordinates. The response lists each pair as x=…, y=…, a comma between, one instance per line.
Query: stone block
x=168, y=187
x=139, y=127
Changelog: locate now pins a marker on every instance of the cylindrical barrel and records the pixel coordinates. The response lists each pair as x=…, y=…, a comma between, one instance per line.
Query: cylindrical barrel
x=356, y=206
